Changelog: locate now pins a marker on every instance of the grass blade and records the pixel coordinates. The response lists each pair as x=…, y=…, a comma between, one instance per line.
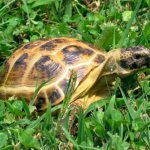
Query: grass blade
x=130, y=109
x=125, y=33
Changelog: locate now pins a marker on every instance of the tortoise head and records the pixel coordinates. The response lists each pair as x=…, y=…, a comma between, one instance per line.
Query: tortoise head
x=132, y=59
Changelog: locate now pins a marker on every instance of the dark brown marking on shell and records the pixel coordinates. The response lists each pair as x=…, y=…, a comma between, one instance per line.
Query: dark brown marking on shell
x=82, y=72
x=31, y=45
x=6, y=66
x=21, y=60
x=28, y=46
x=72, y=53
x=52, y=44
x=54, y=95
x=43, y=60
x=99, y=59
x=64, y=85
x=40, y=102
x=59, y=40
x=48, y=46
x=48, y=66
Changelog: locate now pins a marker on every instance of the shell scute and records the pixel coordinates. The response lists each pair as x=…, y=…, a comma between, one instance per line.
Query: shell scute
x=39, y=64
x=40, y=103
x=82, y=71
x=64, y=85
x=31, y=45
x=99, y=59
x=54, y=96
x=41, y=100
x=73, y=53
x=50, y=45
x=45, y=69
x=17, y=70
x=21, y=60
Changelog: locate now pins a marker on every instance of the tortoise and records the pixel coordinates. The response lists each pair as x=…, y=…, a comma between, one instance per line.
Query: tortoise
x=56, y=58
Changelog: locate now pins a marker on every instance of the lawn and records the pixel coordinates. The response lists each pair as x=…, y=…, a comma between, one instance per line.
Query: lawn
x=120, y=122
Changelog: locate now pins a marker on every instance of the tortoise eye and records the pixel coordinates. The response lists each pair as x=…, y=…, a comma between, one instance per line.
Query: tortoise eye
x=137, y=56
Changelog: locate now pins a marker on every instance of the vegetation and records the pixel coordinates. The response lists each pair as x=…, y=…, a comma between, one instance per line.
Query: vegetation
x=120, y=122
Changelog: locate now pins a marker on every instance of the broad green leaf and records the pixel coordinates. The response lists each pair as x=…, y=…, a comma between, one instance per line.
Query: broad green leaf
x=99, y=130
x=108, y=38
x=139, y=124
x=147, y=29
x=117, y=143
x=117, y=116
x=9, y=118
x=68, y=9
x=126, y=15
x=17, y=107
x=3, y=139
x=27, y=139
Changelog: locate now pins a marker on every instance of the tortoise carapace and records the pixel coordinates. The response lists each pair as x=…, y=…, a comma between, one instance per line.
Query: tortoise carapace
x=54, y=59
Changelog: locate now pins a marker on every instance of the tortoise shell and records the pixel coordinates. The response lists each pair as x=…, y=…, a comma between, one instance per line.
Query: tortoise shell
x=51, y=61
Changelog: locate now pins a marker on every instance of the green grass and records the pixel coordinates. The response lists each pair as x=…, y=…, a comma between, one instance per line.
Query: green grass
x=120, y=122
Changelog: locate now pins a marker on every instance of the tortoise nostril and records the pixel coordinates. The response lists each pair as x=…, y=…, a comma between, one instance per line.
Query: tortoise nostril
x=134, y=66
x=147, y=61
